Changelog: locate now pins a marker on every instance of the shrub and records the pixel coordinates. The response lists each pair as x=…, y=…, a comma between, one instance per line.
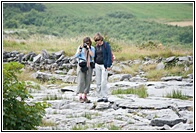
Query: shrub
x=17, y=113
x=121, y=15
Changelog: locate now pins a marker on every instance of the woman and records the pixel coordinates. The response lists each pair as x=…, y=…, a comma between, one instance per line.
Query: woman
x=85, y=54
x=103, y=63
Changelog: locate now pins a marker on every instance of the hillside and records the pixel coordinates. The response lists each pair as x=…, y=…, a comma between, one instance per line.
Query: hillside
x=132, y=22
x=153, y=11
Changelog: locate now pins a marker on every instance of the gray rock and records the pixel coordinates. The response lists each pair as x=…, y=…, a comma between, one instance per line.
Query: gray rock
x=162, y=122
x=45, y=54
x=37, y=58
x=160, y=66
x=170, y=59
x=127, y=76
x=177, y=78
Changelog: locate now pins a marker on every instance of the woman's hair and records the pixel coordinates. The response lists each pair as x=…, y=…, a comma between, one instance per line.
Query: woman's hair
x=98, y=36
x=87, y=40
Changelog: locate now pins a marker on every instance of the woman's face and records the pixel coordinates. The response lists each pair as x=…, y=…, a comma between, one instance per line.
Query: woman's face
x=88, y=43
x=99, y=42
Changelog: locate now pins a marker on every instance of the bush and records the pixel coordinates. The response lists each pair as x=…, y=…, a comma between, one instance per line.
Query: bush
x=121, y=15
x=17, y=113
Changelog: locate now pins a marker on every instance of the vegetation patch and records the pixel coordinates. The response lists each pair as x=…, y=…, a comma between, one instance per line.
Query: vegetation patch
x=47, y=123
x=53, y=97
x=141, y=91
x=17, y=114
x=152, y=74
x=122, y=21
x=114, y=127
x=177, y=94
x=87, y=115
x=79, y=127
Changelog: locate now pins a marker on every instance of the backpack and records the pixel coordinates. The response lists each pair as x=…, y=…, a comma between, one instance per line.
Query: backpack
x=113, y=57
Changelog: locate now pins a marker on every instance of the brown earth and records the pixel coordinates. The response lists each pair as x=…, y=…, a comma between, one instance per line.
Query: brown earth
x=182, y=24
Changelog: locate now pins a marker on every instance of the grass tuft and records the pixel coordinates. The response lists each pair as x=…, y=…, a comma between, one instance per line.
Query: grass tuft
x=141, y=91
x=177, y=94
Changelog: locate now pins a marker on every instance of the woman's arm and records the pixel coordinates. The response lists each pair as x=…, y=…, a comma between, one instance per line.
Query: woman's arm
x=92, y=52
x=78, y=52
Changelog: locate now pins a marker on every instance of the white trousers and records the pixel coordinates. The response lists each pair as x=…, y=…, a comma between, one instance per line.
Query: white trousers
x=101, y=80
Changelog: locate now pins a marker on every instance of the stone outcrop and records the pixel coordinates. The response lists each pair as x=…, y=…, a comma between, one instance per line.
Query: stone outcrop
x=125, y=111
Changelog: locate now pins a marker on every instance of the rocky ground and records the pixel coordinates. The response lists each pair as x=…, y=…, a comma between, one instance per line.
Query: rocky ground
x=123, y=111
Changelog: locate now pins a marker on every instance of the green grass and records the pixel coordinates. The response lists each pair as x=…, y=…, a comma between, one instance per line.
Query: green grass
x=87, y=115
x=160, y=11
x=79, y=127
x=141, y=91
x=113, y=127
x=48, y=123
x=98, y=125
x=52, y=97
x=177, y=94
x=130, y=22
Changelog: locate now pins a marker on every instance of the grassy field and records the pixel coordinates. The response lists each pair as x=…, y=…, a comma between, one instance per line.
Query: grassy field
x=69, y=45
x=162, y=12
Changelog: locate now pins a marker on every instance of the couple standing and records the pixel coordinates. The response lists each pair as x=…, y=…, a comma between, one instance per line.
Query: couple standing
x=102, y=64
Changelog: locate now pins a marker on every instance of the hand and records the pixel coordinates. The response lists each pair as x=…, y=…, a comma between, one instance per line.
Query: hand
x=108, y=68
x=87, y=47
x=81, y=46
x=80, y=49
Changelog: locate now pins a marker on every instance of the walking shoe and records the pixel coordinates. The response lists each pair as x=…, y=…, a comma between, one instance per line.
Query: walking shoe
x=100, y=100
x=86, y=100
x=81, y=100
x=105, y=100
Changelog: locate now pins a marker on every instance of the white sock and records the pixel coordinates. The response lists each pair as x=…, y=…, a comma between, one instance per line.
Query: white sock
x=83, y=96
x=80, y=95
